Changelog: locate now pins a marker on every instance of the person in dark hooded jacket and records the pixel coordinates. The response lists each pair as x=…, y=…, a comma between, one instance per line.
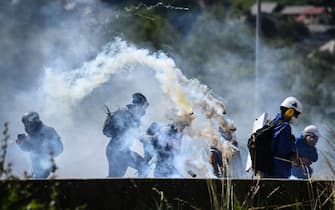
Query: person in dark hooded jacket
x=42, y=142
x=164, y=142
x=167, y=145
x=118, y=126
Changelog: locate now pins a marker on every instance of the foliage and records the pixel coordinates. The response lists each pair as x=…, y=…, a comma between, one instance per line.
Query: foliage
x=292, y=31
x=290, y=2
x=321, y=69
x=23, y=196
x=186, y=33
x=242, y=5
x=196, y=37
x=5, y=170
x=329, y=155
x=153, y=28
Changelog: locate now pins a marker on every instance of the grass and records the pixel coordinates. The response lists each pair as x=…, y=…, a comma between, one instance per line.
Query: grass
x=5, y=170
x=221, y=194
x=329, y=155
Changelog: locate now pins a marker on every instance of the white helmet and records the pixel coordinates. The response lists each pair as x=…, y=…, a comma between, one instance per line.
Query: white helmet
x=292, y=102
x=311, y=129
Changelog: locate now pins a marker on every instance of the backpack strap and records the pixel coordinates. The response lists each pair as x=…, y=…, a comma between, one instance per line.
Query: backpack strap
x=274, y=124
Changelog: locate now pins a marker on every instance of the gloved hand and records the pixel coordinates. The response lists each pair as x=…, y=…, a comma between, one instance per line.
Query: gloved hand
x=305, y=161
x=295, y=159
x=292, y=139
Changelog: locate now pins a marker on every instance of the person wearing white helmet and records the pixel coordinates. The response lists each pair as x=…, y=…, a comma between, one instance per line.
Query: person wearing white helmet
x=305, y=146
x=283, y=147
x=291, y=107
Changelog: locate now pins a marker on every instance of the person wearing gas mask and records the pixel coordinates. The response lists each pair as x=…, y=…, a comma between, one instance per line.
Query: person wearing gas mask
x=42, y=142
x=164, y=142
x=147, y=140
x=283, y=147
x=305, y=146
x=167, y=144
x=121, y=127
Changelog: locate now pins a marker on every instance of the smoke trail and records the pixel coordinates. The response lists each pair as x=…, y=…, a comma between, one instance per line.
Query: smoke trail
x=62, y=37
x=63, y=92
x=225, y=49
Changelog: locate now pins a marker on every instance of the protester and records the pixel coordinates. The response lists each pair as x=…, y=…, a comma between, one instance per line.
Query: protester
x=120, y=126
x=217, y=162
x=42, y=142
x=305, y=146
x=164, y=143
x=148, y=140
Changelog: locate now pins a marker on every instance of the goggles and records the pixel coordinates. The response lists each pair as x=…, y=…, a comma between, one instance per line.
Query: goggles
x=312, y=136
x=296, y=114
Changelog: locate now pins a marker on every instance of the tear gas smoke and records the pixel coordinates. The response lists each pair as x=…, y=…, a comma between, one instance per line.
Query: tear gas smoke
x=43, y=70
x=62, y=94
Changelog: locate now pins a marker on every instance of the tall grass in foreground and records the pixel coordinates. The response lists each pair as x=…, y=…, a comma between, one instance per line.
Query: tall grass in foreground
x=13, y=196
x=276, y=194
x=264, y=195
x=222, y=193
x=329, y=155
x=5, y=170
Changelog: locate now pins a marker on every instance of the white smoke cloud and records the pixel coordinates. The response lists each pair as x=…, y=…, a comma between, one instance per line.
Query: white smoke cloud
x=138, y=70
x=69, y=94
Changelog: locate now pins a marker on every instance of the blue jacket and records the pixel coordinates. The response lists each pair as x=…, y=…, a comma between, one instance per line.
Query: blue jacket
x=283, y=147
x=305, y=151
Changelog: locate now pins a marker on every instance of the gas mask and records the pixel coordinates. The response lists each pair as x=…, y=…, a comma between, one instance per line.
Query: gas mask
x=31, y=122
